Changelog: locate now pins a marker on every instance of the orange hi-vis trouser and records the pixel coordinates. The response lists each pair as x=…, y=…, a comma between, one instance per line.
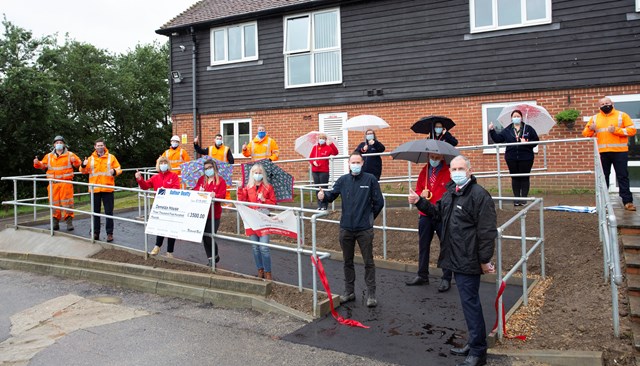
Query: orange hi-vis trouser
x=61, y=196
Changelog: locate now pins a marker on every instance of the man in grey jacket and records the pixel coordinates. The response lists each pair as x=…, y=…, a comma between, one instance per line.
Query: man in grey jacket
x=362, y=201
x=468, y=217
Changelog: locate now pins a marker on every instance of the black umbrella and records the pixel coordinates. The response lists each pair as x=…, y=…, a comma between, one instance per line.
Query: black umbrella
x=427, y=124
x=418, y=150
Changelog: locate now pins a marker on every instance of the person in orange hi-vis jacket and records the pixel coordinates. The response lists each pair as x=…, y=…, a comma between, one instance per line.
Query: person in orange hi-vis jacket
x=59, y=164
x=176, y=154
x=102, y=168
x=612, y=128
x=218, y=151
x=261, y=147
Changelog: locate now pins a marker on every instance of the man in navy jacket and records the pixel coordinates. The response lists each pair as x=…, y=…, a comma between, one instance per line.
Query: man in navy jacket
x=362, y=201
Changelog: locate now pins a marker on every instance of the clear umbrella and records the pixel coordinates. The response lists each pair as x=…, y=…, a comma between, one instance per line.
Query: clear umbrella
x=532, y=115
x=305, y=143
x=365, y=122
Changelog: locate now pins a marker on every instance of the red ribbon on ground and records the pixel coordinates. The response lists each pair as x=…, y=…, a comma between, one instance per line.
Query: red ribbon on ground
x=503, y=285
x=325, y=283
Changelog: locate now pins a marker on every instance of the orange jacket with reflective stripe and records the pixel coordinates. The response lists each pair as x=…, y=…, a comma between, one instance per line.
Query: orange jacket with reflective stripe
x=257, y=149
x=219, y=153
x=176, y=157
x=99, y=170
x=59, y=166
x=615, y=141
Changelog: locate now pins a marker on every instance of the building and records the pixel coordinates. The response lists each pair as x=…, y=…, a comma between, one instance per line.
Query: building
x=301, y=65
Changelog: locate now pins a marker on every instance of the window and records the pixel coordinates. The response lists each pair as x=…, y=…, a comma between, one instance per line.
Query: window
x=489, y=15
x=637, y=5
x=490, y=113
x=312, y=49
x=236, y=43
x=236, y=132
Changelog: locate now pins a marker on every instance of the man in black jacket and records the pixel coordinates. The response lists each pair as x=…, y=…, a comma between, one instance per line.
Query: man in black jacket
x=362, y=201
x=468, y=218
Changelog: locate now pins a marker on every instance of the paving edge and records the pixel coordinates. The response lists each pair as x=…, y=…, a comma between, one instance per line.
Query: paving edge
x=552, y=357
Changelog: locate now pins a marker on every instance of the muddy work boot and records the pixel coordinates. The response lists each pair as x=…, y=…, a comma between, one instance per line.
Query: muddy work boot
x=56, y=224
x=69, y=222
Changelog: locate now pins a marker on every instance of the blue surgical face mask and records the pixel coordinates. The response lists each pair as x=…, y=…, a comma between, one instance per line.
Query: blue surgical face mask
x=438, y=130
x=322, y=141
x=257, y=177
x=459, y=177
x=434, y=163
x=262, y=134
x=218, y=142
x=516, y=120
x=164, y=167
x=208, y=172
x=59, y=147
x=355, y=168
x=174, y=144
x=370, y=137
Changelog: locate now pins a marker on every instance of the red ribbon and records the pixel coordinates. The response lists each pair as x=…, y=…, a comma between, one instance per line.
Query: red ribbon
x=503, y=285
x=325, y=283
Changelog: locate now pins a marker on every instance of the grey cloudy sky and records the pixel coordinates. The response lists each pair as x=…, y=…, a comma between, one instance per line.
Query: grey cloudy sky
x=115, y=25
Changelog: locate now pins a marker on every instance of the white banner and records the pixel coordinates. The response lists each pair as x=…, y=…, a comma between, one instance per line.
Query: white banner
x=256, y=222
x=179, y=214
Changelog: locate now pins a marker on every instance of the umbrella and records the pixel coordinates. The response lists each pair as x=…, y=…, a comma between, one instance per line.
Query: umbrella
x=533, y=115
x=418, y=150
x=304, y=144
x=427, y=124
x=281, y=181
x=193, y=170
x=365, y=122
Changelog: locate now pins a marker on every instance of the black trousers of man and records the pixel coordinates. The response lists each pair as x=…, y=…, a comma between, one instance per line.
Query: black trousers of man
x=348, y=244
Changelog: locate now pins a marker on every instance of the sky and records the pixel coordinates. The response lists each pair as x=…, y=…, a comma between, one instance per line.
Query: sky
x=114, y=25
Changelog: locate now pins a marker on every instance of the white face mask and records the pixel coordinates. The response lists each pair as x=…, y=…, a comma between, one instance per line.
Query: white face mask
x=218, y=142
x=322, y=141
x=174, y=144
x=59, y=147
x=164, y=167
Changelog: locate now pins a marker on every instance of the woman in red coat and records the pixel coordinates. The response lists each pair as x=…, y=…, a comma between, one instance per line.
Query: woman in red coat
x=212, y=182
x=164, y=179
x=320, y=168
x=259, y=190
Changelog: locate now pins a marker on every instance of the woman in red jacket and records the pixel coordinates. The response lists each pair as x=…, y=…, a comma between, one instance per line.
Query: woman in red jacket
x=259, y=190
x=164, y=179
x=320, y=168
x=212, y=182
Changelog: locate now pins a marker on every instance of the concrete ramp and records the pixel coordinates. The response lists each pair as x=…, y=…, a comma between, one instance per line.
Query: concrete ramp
x=29, y=241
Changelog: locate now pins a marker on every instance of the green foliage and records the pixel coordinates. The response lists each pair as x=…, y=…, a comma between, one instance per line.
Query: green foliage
x=83, y=93
x=567, y=116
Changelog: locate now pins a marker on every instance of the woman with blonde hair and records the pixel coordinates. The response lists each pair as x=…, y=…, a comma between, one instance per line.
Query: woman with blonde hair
x=258, y=190
x=212, y=182
x=164, y=179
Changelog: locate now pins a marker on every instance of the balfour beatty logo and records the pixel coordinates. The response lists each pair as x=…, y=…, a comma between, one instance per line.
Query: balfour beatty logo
x=180, y=193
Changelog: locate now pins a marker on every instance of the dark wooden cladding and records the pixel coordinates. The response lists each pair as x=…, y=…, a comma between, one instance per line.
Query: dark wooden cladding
x=416, y=49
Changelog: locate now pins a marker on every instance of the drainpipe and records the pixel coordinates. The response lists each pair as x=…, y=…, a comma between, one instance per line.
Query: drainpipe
x=194, y=53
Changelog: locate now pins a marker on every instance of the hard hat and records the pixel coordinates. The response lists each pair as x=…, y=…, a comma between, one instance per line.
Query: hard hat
x=59, y=138
x=175, y=138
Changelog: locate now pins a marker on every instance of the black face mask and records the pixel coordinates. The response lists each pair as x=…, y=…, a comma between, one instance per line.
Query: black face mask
x=607, y=108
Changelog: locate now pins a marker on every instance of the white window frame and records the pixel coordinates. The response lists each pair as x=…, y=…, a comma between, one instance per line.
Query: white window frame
x=494, y=26
x=638, y=5
x=613, y=187
x=485, y=123
x=226, y=44
x=237, y=150
x=311, y=49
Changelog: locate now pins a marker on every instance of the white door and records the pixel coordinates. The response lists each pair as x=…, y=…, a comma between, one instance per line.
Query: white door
x=331, y=124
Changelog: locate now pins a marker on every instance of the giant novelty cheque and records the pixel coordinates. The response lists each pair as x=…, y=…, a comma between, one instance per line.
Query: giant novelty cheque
x=179, y=214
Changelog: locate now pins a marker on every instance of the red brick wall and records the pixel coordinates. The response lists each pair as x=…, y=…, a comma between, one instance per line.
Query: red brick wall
x=284, y=125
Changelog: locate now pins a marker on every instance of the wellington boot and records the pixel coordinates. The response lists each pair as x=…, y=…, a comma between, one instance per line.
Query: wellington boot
x=56, y=224
x=69, y=222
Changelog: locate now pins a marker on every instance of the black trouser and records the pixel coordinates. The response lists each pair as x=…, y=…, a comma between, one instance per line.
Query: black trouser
x=321, y=178
x=619, y=161
x=170, y=243
x=348, y=244
x=520, y=185
x=426, y=227
x=206, y=240
x=106, y=199
x=468, y=289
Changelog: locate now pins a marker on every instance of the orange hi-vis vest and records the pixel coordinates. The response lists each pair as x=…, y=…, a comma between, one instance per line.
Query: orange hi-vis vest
x=616, y=141
x=176, y=157
x=99, y=170
x=267, y=148
x=219, y=153
x=59, y=166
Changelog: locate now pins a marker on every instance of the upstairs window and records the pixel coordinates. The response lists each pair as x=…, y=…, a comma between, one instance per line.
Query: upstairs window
x=236, y=43
x=312, y=49
x=489, y=15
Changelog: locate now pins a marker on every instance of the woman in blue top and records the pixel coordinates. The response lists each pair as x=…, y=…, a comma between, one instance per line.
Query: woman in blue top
x=519, y=158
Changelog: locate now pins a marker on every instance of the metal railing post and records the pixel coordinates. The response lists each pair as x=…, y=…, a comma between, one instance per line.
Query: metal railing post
x=93, y=229
x=50, y=208
x=409, y=187
x=384, y=230
x=542, y=261
x=15, y=205
x=299, y=248
x=213, y=239
x=35, y=196
x=523, y=243
x=146, y=237
x=499, y=176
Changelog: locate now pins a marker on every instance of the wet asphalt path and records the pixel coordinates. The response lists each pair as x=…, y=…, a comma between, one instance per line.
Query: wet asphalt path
x=410, y=326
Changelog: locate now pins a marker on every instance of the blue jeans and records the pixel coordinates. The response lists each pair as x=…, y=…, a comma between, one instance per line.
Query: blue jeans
x=262, y=254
